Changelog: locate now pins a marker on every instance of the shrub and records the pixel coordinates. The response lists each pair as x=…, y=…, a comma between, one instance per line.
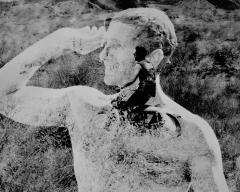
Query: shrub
x=224, y=58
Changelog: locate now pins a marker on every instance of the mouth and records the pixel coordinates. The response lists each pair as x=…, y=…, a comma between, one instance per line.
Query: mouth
x=111, y=68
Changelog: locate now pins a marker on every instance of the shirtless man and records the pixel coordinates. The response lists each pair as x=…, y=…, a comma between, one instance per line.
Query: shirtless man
x=114, y=149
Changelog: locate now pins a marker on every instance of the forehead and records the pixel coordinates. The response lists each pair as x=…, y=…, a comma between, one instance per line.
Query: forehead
x=120, y=32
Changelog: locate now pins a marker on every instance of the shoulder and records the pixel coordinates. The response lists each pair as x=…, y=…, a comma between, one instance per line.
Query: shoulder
x=88, y=95
x=208, y=151
x=86, y=105
x=204, y=127
x=205, y=139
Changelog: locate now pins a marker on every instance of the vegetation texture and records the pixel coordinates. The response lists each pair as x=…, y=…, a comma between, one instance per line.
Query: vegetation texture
x=204, y=77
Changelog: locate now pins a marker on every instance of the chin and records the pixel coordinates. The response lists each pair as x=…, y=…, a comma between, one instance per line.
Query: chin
x=111, y=82
x=108, y=81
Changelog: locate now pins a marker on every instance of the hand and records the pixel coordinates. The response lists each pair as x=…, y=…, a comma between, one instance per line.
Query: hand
x=86, y=40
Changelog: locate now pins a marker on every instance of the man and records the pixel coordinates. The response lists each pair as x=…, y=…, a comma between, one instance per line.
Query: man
x=112, y=149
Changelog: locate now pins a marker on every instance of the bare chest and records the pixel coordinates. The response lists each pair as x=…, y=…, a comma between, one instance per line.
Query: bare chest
x=116, y=154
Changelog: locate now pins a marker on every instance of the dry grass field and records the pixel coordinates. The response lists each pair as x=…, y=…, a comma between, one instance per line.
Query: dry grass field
x=204, y=77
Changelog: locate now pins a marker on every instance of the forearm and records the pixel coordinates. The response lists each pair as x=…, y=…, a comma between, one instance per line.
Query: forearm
x=19, y=70
x=16, y=73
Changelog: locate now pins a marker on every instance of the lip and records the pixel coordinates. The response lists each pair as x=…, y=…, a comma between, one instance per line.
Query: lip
x=111, y=67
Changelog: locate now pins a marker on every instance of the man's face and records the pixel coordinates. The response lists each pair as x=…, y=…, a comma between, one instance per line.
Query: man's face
x=118, y=55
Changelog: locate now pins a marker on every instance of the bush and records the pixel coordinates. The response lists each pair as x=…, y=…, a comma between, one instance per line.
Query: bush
x=224, y=58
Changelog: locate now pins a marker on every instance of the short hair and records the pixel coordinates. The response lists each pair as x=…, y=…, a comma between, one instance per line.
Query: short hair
x=154, y=29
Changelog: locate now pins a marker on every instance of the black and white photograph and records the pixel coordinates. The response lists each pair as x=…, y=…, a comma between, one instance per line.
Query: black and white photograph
x=119, y=95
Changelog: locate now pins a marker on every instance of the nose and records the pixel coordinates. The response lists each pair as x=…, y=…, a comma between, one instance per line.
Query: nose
x=104, y=54
x=101, y=55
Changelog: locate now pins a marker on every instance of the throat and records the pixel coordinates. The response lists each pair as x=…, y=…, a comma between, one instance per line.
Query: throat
x=139, y=93
x=132, y=102
x=125, y=94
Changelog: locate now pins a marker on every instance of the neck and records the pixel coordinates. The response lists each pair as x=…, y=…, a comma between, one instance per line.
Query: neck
x=167, y=102
x=160, y=99
x=128, y=91
x=138, y=93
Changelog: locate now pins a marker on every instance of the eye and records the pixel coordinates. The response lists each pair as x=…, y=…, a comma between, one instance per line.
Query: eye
x=104, y=43
x=107, y=22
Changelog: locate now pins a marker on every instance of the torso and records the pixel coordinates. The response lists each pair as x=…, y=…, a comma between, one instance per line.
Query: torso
x=112, y=155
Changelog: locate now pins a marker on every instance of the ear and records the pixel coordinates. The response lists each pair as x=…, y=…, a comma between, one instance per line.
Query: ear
x=155, y=57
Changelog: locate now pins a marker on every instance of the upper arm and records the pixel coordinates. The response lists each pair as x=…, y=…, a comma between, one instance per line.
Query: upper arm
x=40, y=106
x=202, y=176
x=206, y=164
x=207, y=176
x=54, y=107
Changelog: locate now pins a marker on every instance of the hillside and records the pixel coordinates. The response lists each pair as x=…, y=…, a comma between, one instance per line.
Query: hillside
x=204, y=77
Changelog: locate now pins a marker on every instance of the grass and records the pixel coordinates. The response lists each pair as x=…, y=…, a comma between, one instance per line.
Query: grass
x=203, y=77
x=211, y=90
x=35, y=158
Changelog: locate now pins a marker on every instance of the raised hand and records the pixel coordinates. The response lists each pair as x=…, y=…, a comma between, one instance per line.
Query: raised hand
x=16, y=73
